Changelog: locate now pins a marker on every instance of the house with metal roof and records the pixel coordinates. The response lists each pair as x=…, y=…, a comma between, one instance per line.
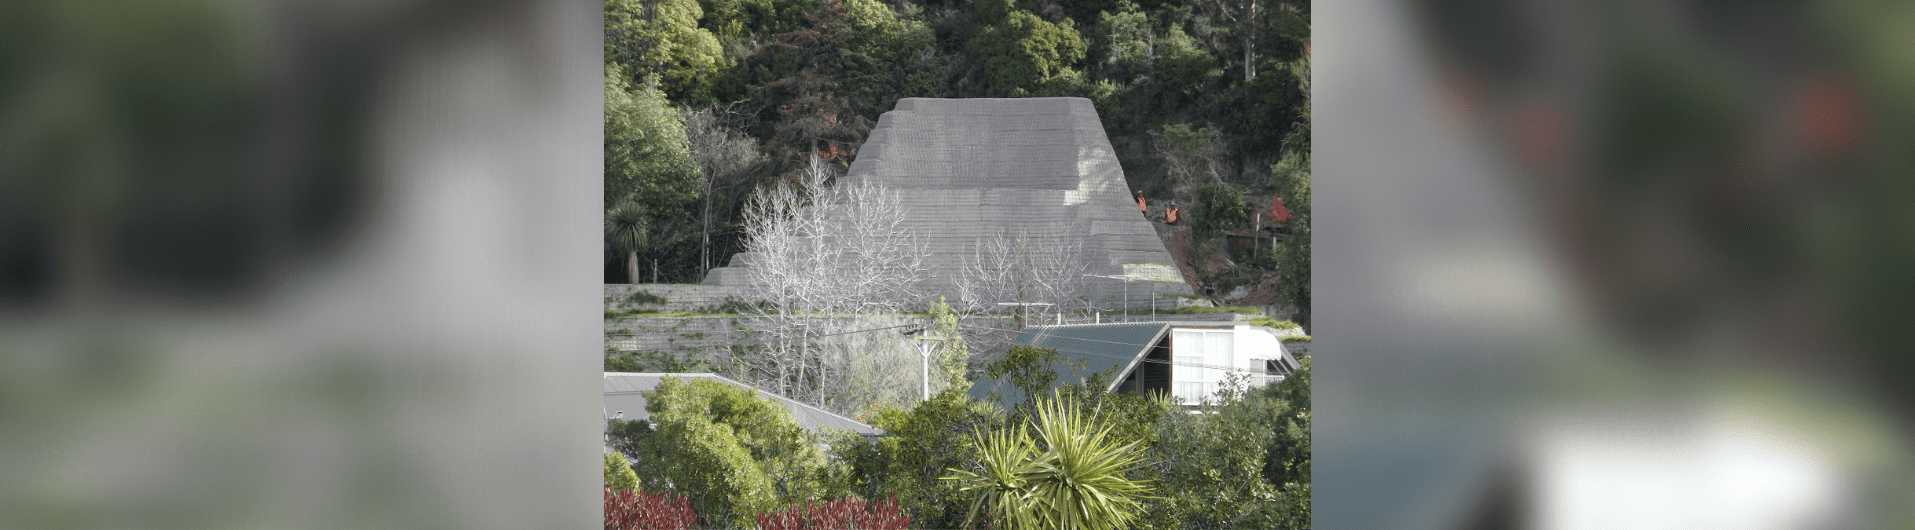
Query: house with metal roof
x=625, y=399
x=1187, y=360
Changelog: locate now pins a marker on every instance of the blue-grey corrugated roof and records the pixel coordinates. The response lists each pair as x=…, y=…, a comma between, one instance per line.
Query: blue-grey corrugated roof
x=1099, y=347
x=623, y=393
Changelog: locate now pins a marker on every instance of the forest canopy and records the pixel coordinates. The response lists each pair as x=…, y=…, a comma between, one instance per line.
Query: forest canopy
x=782, y=81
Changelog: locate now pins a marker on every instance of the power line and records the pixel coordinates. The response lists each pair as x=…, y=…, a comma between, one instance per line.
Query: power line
x=1119, y=357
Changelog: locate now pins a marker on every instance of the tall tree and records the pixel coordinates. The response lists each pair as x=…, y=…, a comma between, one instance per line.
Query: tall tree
x=725, y=158
x=808, y=111
x=1192, y=156
x=625, y=233
x=1124, y=43
x=647, y=155
x=1024, y=54
x=818, y=251
x=1291, y=178
x=662, y=38
x=648, y=158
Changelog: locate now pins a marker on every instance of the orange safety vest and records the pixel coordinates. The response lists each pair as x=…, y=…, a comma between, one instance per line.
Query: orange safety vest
x=1283, y=214
x=1140, y=204
x=1170, y=215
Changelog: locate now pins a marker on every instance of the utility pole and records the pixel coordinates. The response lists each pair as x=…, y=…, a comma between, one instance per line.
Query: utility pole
x=924, y=356
x=924, y=366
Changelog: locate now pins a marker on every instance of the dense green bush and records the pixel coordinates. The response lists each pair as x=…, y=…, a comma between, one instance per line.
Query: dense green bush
x=730, y=452
x=648, y=361
x=618, y=473
x=1242, y=463
x=1291, y=177
x=1218, y=207
x=1022, y=52
x=643, y=297
x=1287, y=459
x=623, y=436
x=1274, y=323
x=919, y=444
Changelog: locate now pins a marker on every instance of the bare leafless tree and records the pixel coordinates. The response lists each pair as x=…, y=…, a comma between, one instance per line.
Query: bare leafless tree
x=824, y=257
x=725, y=158
x=1022, y=269
x=1191, y=156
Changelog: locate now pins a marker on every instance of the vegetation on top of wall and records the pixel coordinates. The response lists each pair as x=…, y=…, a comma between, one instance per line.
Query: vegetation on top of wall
x=643, y=297
x=1200, y=310
x=647, y=361
x=1274, y=323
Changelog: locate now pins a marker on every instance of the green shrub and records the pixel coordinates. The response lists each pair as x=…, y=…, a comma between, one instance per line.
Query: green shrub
x=1291, y=260
x=1242, y=464
x=733, y=305
x=618, y=473
x=616, y=315
x=709, y=464
x=919, y=444
x=642, y=297
x=647, y=361
x=1218, y=207
x=1274, y=323
x=1196, y=310
x=624, y=435
x=729, y=451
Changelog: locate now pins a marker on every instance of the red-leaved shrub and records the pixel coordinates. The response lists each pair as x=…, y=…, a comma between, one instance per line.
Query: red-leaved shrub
x=634, y=510
x=842, y=514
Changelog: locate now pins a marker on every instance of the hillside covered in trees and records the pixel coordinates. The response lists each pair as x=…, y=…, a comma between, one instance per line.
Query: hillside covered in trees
x=1205, y=101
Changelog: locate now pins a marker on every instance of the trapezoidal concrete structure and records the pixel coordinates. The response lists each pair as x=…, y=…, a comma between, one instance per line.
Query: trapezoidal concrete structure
x=968, y=169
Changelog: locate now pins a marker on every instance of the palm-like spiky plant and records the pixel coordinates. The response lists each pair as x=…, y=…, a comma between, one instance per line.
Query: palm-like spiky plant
x=1077, y=482
x=625, y=231
x=1006, y=457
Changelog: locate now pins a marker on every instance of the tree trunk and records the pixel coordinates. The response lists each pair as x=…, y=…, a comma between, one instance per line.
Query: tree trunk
x=631, y=267
x=704, y=244
x=1249, y=45
x=1249, y=59
x=804, y=343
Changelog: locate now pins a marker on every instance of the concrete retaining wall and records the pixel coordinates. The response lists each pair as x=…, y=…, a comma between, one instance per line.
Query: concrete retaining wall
x=679, y=297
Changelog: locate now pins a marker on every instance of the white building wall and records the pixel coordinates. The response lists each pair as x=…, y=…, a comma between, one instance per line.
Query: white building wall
x=1203, y=358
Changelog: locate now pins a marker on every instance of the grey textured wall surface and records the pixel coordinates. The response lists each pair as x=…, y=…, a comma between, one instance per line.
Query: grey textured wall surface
x=679, y=297
x=973, y=168
x=711, y=337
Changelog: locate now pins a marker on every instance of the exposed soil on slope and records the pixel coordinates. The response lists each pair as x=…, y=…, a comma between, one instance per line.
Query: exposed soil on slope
x=1195, y=261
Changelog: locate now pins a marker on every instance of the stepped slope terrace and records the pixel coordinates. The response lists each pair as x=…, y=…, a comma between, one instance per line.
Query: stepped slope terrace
x=971, y=168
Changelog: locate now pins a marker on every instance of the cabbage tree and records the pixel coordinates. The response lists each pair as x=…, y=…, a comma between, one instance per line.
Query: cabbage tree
x=1076, y=481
